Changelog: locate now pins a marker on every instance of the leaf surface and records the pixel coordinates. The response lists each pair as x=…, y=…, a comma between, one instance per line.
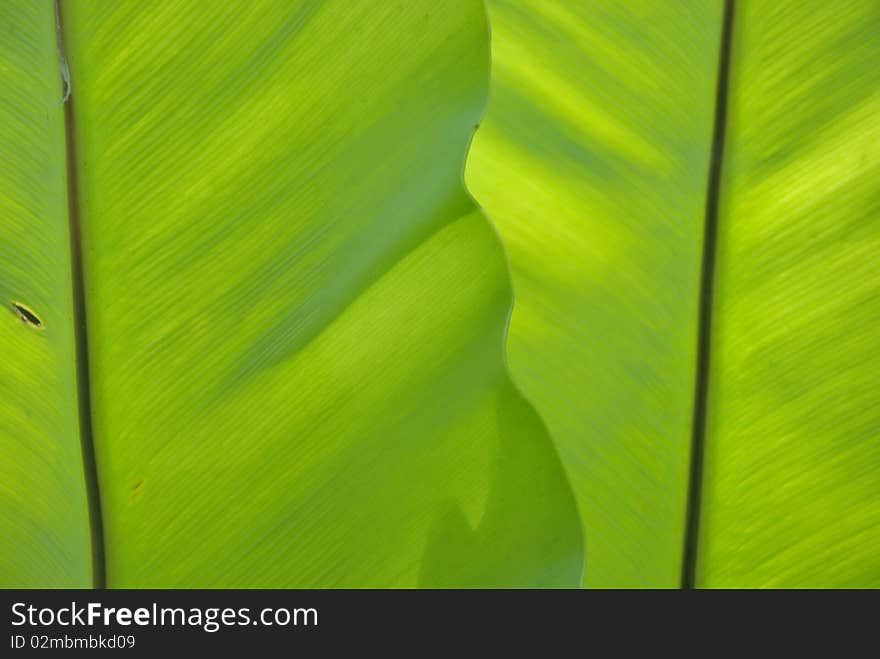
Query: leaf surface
x=592, y=162
x=792, y=473
x=44, y=529
x=296, y=313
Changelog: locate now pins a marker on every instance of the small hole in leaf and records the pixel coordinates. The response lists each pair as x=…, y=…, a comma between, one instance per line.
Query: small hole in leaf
x=27, y=315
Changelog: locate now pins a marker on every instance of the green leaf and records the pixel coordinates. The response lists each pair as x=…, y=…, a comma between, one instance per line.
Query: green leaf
x=296, y=315
x=44, y=528
x=593, y=162
x=792, y=478
x=243, y=249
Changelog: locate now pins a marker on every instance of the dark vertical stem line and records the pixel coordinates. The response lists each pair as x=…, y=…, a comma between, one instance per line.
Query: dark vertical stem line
x=704, y=318
x=84, y=398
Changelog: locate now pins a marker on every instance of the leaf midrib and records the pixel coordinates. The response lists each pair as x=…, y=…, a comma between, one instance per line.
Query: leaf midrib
x=704, y=314
x=83, y=387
